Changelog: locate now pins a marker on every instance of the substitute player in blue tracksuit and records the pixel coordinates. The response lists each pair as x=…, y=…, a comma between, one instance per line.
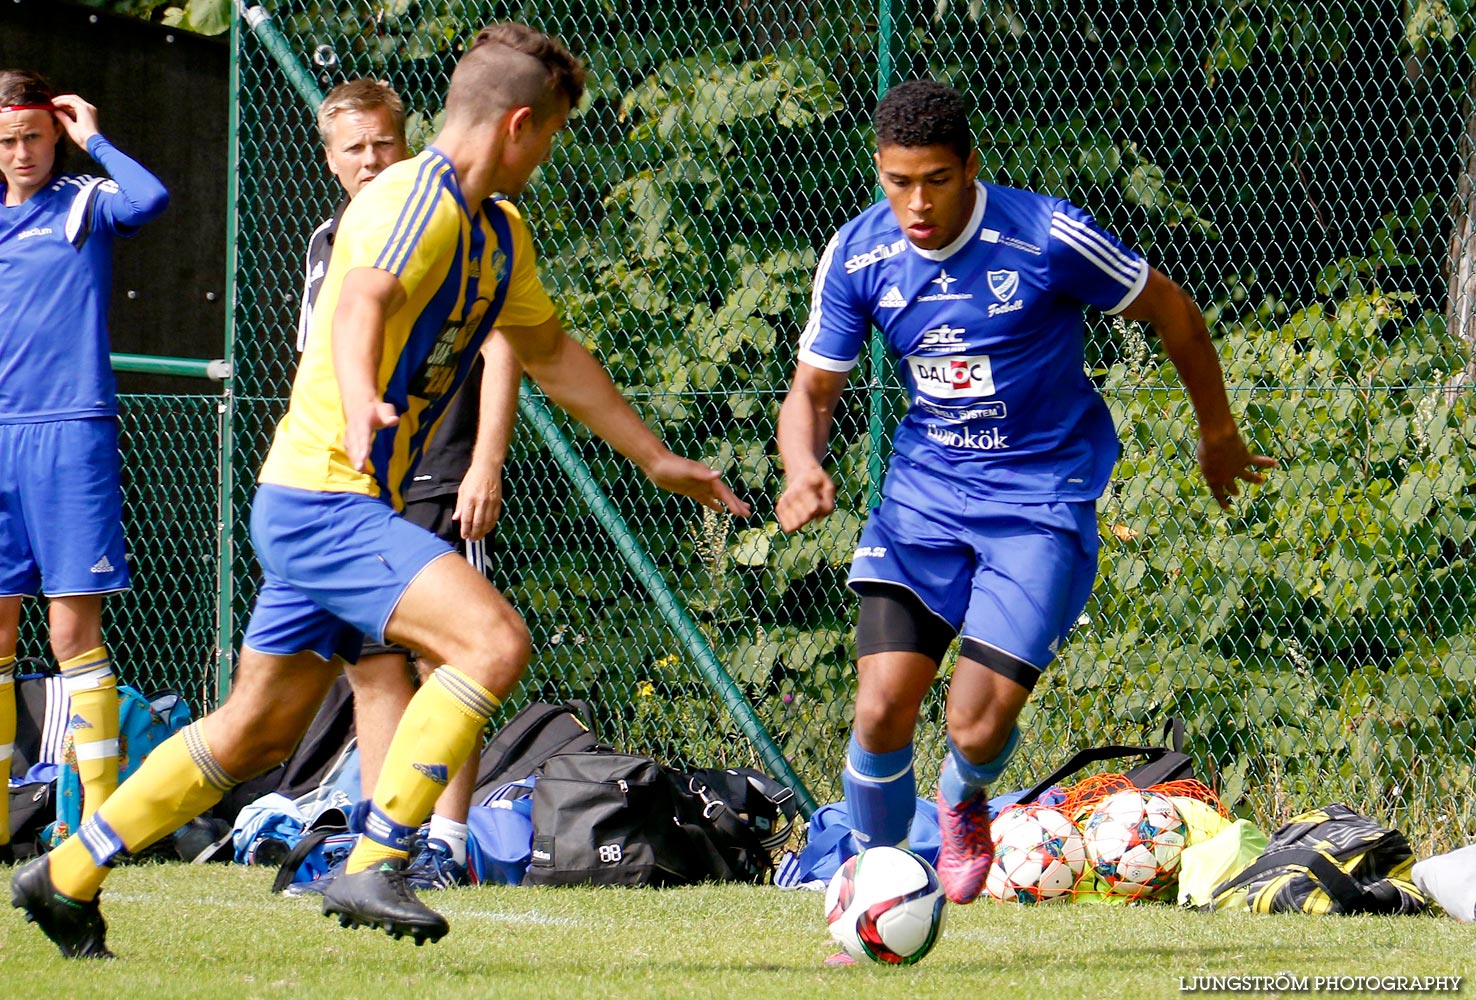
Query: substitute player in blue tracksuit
x=987, y=526
x=61, y=498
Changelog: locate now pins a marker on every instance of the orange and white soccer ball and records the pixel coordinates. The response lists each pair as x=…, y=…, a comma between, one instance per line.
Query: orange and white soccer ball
x=1134, y=841
x=1038, y=856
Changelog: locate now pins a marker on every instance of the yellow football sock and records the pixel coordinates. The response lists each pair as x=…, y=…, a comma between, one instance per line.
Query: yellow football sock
x=176, y=783
x=432, y=741
x=93, y=688
x=7, y=739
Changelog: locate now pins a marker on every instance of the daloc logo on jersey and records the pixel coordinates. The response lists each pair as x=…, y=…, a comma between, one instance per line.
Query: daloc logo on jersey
x=953, y=377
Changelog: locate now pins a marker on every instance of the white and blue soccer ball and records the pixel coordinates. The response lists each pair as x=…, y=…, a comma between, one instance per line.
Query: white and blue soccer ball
x=885, y=904
x=1134, y=841
x=1038, y=856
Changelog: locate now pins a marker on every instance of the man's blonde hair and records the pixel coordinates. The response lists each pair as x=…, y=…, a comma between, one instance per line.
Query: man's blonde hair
x=360, y=95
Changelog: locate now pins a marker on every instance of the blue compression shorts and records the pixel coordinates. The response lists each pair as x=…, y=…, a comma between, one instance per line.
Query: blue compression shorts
x=1010, y=576
x=61, y=509
x=334, y=566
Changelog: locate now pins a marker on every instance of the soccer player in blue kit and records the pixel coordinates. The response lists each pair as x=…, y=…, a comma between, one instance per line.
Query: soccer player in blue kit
x=987, y=527
x=61, y=494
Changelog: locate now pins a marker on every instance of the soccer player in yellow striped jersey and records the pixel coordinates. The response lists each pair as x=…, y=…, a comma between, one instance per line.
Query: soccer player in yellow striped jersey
x=405, y=315
x=461, y=274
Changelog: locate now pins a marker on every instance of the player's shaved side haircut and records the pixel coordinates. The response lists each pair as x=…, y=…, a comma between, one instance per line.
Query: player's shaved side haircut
x=511, y=65
x=924, y=113
x=360, y=95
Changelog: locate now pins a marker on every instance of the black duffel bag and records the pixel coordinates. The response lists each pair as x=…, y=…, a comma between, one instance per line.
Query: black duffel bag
x=609, y=819
x=606, y=818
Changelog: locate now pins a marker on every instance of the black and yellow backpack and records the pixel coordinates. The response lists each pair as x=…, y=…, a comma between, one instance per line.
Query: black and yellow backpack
x=1329, y=860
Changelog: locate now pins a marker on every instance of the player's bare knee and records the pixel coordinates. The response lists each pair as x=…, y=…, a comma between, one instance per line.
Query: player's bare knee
x=979, y=734
x=882, y=726
x=502, y=652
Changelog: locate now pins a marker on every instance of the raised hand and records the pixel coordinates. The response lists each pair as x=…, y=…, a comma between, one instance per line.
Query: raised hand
x=78, y=118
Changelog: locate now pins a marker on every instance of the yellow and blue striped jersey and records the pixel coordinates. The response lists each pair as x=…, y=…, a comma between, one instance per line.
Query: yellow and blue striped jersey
x=462, y=271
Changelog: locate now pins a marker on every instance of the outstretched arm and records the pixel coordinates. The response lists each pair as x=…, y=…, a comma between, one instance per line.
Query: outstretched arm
x=578, y=383
x=1223, y=455
x=804, y=438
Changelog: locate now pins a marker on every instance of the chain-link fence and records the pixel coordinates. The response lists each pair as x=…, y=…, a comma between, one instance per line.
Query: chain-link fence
x=1301, y=168
x=163, y=632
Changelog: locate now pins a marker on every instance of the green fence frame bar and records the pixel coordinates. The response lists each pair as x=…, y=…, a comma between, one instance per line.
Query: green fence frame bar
x=259, y=20
x=876, y=385
x=532, y=410
x=217, y=370
x=225, y=477
x=537, y=415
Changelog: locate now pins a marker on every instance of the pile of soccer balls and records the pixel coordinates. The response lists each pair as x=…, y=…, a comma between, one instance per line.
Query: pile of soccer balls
x=886, y=905
x=1131, y=841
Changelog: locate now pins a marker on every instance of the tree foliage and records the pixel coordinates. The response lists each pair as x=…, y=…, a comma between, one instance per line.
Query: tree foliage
x=1281, y=159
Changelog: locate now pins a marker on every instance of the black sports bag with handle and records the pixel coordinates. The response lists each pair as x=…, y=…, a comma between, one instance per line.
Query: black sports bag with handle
x=608, y=819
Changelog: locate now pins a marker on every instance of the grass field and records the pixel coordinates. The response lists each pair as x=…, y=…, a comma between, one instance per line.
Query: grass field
x=216, y=931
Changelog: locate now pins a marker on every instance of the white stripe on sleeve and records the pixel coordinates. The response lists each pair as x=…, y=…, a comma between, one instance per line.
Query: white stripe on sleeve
x=1095, y=238
x=1122, y=274
x=807, y=353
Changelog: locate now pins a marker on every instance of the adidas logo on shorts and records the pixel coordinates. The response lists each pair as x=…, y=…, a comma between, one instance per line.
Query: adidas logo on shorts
x=102, y=566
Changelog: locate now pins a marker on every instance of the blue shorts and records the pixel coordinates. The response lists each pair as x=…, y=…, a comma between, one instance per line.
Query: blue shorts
x=61, y=509
x=1010, y=576
x=334, y=565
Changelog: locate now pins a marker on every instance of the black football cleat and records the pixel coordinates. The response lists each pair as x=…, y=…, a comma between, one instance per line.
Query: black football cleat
x=380, y=897
x=75, y=927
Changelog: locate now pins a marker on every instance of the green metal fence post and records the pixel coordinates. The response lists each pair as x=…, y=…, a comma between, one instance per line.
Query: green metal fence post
x=217, y=369
x=876, y=385
x=225, y=522
x=670, y=606
x=259, y=20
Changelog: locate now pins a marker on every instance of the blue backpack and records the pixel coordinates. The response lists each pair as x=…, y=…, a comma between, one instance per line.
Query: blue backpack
x=500, y=835
x=143, y=724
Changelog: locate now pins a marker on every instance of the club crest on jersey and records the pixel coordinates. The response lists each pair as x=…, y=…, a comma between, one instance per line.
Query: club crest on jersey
x=1004, y=284
x=497, y=264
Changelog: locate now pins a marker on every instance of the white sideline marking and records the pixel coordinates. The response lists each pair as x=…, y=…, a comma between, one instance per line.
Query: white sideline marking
x=520, y=918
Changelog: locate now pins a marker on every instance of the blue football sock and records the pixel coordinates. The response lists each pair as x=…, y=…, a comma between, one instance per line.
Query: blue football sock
x=961, y=778
x=881, y=795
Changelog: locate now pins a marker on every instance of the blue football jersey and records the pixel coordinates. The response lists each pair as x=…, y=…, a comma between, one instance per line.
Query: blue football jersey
x=989, y=333
x=56, y=277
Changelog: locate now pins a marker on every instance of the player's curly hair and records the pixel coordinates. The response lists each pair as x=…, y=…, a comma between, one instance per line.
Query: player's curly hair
x=924, y=113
